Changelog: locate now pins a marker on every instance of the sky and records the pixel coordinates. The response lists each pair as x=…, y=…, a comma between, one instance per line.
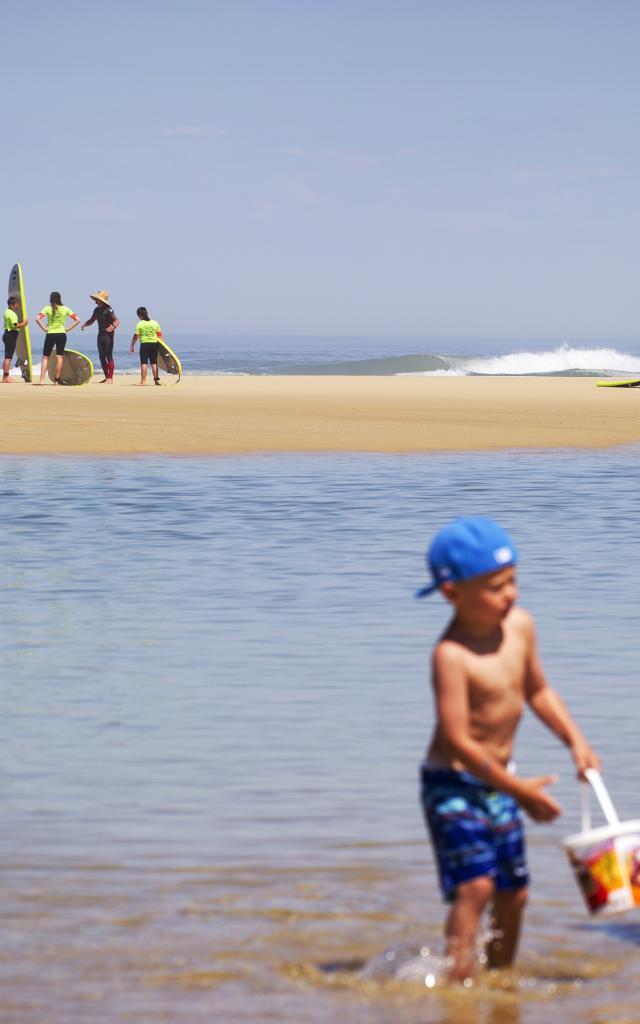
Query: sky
x=425, y=168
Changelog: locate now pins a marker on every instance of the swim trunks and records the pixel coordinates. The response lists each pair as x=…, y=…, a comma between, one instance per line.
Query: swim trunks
x=148, y=352
x=57, y=341
x=9, y=338
x=476, y=831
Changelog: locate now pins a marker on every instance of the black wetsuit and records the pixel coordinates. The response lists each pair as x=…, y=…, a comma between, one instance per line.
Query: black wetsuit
x=105, y=316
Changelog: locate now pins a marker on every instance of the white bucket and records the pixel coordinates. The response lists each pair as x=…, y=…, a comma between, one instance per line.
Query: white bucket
x=606, y=860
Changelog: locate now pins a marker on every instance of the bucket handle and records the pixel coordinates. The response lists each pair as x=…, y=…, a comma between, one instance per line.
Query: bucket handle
x=594, y=778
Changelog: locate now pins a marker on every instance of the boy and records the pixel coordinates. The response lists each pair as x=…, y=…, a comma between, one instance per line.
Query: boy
x=485, y=668
x=10, y=336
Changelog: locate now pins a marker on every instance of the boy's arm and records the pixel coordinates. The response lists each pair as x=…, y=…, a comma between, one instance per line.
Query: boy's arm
x=551, y=710
x=452, y=705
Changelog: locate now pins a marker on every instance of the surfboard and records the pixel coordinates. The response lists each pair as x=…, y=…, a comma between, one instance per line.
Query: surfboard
x=76, y=367
x=168, y=360
x=23, y=344
x=619, y=384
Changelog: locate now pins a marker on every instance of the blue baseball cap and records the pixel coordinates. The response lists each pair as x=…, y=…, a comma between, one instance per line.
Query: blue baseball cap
x=466, y=548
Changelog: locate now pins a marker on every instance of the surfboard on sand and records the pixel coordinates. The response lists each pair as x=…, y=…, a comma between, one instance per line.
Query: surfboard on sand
x=619, y=383
x=168, y=360
x=23, y=344
x=76, y=367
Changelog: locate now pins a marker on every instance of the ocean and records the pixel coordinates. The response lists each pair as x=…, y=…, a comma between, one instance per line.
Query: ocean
x=382, y=356
x=214, y=701
x=391, y=356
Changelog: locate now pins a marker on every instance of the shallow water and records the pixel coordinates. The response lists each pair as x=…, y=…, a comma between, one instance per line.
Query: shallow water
x=214, y=701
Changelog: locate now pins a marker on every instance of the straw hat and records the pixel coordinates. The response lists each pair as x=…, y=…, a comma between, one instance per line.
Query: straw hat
x=101, y=297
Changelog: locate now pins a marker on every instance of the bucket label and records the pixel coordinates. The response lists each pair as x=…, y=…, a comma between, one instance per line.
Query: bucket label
x=608, y=872
x=629, y=847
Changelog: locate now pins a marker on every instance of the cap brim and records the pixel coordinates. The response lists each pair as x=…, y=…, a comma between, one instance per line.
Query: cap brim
x=425, y=591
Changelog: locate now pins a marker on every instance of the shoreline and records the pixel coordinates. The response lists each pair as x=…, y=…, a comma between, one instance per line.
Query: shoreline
x=217, y=415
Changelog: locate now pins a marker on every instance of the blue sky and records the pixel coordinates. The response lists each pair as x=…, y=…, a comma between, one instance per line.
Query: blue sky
x=348, y=167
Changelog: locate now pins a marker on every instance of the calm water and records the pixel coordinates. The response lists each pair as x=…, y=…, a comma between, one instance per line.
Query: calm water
x=214, y=701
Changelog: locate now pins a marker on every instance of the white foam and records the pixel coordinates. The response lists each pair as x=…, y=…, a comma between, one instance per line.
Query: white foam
x=565, y=357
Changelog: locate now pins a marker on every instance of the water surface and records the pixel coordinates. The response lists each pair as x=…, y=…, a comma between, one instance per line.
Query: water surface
x=214, y=701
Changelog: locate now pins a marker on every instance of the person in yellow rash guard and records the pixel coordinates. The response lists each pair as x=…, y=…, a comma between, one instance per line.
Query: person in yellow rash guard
x=11, y=328
x=56, y=332
x=147, y=332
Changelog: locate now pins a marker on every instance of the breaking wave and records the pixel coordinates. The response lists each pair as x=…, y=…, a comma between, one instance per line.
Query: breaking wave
x=562, y=361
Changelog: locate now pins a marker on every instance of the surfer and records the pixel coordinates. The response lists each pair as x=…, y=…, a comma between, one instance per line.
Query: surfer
x=147, y=332
x=11, y=328
x=56, y=332
x=107, y=324
x=485, y=669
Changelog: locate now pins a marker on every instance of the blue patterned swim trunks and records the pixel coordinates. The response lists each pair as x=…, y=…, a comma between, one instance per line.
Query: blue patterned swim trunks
x=476, y=831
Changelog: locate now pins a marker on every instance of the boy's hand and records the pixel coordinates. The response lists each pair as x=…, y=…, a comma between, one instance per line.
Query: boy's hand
x=539, y=805
x=584, y=757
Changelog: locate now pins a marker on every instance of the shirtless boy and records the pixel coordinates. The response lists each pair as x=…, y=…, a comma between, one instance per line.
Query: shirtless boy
x=485, y=668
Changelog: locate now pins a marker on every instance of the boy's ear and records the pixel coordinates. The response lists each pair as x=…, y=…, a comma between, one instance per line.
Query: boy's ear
x=448, y=590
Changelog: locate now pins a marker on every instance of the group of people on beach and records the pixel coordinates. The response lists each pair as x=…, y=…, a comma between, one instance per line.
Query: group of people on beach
x=52, y=319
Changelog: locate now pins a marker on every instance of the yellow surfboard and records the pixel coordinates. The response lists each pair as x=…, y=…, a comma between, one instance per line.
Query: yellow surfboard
x=168, y=360
x=23, y=344
x=618, y=384
x=76, y=368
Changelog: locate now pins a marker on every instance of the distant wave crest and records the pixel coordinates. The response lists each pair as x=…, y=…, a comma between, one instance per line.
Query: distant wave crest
x=562, y=360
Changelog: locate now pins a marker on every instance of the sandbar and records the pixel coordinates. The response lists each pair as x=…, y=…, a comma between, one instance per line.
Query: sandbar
x=214, y=415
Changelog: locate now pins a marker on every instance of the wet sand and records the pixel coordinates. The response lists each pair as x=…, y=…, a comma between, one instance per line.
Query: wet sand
x=207, y=415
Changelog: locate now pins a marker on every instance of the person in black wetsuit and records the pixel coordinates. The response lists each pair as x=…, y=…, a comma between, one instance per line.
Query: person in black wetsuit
x=107, y=323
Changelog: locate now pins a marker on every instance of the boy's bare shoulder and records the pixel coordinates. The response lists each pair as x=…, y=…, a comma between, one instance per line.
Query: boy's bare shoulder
x=447, y=651
x=521, y=619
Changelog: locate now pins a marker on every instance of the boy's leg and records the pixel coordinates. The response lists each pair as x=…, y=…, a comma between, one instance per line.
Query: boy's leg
x=506, y=919
x=463, y=922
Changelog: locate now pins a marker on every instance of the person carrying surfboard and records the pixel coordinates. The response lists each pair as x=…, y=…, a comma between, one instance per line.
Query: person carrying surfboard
x=107, y=324
x=148, y=332
x=11, y=329
x=56, y=332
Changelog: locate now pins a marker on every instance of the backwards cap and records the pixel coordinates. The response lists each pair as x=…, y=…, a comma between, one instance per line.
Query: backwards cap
x=466, y=548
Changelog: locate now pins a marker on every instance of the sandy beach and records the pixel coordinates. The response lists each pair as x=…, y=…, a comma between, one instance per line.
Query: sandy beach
x=207, y=415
